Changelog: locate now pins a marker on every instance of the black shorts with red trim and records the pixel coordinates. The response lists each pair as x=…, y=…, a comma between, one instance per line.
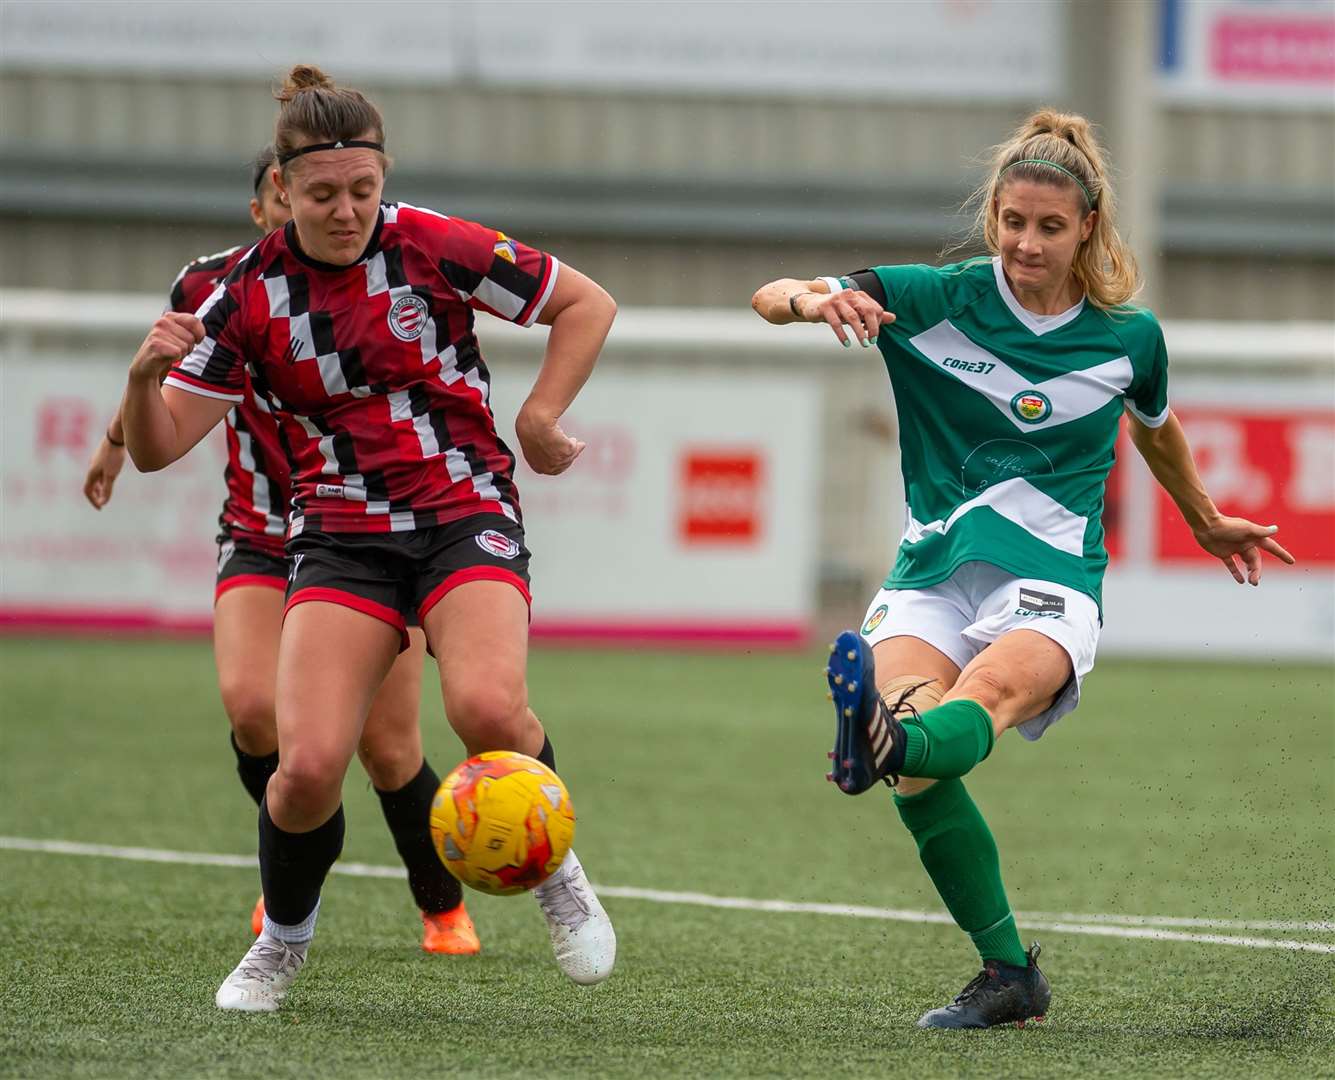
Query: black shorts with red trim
x=399, y=577
x=241, y=564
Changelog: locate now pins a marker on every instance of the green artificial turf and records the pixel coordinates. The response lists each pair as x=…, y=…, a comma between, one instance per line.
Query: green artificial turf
x=1178, y=789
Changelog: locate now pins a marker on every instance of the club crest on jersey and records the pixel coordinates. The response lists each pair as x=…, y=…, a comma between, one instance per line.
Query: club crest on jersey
x=1031, y=406
x=407, y=318
x=498, y=544
x=504, y=247
x=874, y=619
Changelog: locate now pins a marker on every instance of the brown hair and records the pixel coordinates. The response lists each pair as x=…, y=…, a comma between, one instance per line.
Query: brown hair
x=312, y=109
x=1051, y=148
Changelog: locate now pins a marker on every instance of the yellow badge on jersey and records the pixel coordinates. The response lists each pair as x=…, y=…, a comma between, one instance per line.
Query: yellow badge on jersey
x=504, y=247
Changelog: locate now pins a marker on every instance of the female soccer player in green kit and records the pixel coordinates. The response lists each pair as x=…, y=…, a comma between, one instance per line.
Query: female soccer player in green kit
x=1010, y=377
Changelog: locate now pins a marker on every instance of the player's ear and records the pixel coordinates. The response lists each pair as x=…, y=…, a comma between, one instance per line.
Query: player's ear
x=1087, y=226
x=257, y=216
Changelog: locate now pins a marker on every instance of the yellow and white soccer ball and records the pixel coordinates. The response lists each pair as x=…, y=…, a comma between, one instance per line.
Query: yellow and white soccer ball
x=502, y=822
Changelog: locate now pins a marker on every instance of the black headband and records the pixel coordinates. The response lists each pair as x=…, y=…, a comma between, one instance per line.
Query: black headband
x=342, y=144
x=262, y=167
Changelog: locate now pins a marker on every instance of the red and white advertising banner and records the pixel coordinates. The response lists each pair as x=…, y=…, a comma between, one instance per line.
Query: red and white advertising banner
x=1266, y=53
x=691, y=516
x=1265, y=451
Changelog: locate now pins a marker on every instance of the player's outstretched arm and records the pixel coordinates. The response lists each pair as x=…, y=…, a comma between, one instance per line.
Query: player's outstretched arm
x=1228, y=539
x=793, y=300
x=162, y=424
x=105, y=465
x=580, y=313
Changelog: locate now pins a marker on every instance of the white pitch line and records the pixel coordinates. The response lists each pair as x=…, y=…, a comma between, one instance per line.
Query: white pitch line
x=1096, y=925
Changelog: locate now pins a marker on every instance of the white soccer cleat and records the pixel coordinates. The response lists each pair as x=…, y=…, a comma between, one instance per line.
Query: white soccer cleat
x=262, y=979
x=582, y=936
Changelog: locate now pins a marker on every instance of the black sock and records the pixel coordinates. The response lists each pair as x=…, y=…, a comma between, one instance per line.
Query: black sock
x=547, y=755
x=254, y=771
x=293, y=866
x=407, y=813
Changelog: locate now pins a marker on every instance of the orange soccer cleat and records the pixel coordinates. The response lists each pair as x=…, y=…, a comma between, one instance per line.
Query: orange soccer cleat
x=257, y=917
x=450, y=932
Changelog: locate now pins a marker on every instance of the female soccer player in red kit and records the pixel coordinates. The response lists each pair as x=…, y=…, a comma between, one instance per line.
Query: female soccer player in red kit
x=248, y=612
x=356, y=321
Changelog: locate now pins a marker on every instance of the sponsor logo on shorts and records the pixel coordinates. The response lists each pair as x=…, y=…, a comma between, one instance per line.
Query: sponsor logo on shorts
x=407, y=318
x=1041, y=604
x=498, y=544
x=329, y=491
x=1031, y=406
x=225, y=553
x=296, y=565
x=874, y=619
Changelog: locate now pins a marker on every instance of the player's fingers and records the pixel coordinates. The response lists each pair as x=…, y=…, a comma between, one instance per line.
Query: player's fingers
x=1251, y=557
x=1231, y=562
x=832, y=318
x=182, y=341
x=91, y=489
x=850, y=317
x=1274, y=548
x=887, y=317
x=871, y=319
x=189, y=325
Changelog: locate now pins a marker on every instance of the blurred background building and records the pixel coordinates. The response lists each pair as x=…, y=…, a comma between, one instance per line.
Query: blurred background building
x=682, y=154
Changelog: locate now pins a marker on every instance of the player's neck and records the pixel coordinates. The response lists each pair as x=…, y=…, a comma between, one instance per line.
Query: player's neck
x=1050, y=299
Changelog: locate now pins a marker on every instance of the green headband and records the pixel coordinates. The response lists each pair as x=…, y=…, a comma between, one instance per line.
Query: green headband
x=1053, y=165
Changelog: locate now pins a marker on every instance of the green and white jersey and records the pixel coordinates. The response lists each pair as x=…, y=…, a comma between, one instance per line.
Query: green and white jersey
x=1007, y=420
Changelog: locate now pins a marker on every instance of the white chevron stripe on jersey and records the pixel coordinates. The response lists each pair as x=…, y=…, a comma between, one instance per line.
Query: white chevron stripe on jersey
x=1019, y=502
x=261, y=497
x=1071, y=395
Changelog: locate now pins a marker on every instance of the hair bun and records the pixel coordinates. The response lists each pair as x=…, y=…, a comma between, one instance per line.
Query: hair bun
x=303, y=77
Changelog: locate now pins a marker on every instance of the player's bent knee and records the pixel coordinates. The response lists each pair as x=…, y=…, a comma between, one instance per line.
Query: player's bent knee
x=989, y=685
x=310, y=780
x=390, y=763
x=490, y=717
x=250, y=711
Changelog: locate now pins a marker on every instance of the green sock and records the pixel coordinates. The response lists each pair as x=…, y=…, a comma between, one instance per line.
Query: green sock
x=960, y=856
x=948, y=740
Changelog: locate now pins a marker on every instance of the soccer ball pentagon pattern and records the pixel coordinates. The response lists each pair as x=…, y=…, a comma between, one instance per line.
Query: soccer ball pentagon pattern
x=502, y=822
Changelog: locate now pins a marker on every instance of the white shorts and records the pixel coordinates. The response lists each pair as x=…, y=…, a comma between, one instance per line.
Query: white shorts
x=964, y=614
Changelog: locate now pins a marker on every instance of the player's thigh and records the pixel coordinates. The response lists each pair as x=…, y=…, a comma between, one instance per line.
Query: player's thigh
x=247, y=620
x=391, y=742
x=1015, y=678
x=478, y=632
x=905, y=656
x=331, y=661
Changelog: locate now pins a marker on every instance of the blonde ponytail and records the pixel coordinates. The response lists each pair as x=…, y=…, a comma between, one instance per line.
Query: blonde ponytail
x=1060, y=148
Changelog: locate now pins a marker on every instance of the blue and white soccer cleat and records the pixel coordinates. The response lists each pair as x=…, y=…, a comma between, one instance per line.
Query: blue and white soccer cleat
x=867, y=737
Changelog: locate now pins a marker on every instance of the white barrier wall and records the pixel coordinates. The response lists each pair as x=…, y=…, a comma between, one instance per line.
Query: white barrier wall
x=691, y=515
x=737, y=474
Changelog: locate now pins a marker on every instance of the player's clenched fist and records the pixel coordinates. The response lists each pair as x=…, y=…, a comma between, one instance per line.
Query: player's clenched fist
x=170, y=341
x=547, y=449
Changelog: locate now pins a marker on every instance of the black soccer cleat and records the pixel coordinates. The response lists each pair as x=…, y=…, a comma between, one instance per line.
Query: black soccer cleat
x=999, y=994
x=868, y=740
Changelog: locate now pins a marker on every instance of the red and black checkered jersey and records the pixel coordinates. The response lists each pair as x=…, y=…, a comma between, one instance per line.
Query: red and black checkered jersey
x=257, y=473
x=373, y=370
